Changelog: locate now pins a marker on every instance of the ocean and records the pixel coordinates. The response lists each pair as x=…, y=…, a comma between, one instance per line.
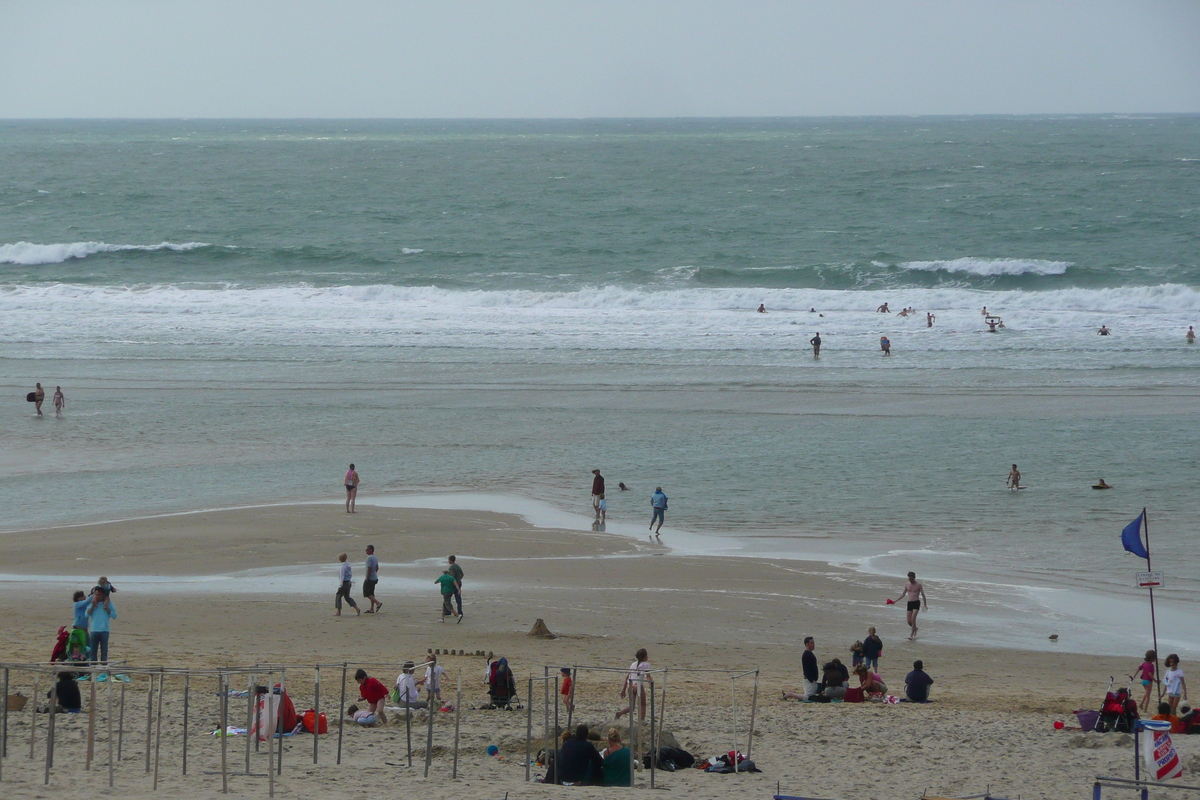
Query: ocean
x=238, y=309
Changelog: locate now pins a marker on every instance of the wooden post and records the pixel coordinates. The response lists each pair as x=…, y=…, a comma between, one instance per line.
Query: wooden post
x=570, y=703
x=270, y=737
x=430, y=711
x=653, y=741
x=662, y=713
x=342, y=718
x=121, y=723
x=553, y=742
x=279, y=720
x=528, y=726
x=457, y=714
x=753, y=713
x=4, y=730
x=32, y=712
x=632, y=755
x=408, y=728
x=223, y=680
x=158, y=730
x=545, y=703
x=733, y=694
x=250, y=699
x=50, y=724
x=316, y=712
x=91, y=744
x=149, y=718
x=108, y=719
x=187, y=681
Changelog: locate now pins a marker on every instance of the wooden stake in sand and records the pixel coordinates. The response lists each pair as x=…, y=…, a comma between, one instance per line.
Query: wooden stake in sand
x=653, y=740
x=223, y=682
x=528, y=725
x=316, y=712
x=753, y=713
x=279, y=720
x=149, y=718
x=91, y=747
x=4, y=730
x=158, y=730
x=570, y=701
x=121, y=723
x=270, y=739
x=32, y=713
x=429, y=732
x=632, y=755
x=408, y=729
x=342, y=718
x=108, y=720
x=187, y=687
x=249, y=717
x=457, y=714
x=50, y=725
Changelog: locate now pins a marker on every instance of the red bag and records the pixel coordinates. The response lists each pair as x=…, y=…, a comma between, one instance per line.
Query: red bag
x=854, y=695
x=310, y=722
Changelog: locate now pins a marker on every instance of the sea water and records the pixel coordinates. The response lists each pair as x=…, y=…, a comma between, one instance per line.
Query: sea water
x=237, y=310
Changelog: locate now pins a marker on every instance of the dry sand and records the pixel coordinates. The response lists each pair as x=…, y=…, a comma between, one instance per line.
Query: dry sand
x=603, y=595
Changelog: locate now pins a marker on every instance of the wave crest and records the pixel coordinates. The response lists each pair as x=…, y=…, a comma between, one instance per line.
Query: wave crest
x=990, y=267
x=29, y=254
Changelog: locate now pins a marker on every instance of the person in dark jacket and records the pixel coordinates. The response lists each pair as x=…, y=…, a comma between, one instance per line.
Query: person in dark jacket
x=872, y=647
x=66, y=690
x=578, y=762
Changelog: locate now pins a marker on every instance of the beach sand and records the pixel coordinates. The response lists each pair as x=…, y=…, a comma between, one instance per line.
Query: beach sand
x=603, y=595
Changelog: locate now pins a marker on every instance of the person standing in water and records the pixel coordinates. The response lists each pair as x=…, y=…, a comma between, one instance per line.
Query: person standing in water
x=351, y=489
x=1014, y=478
x=816, y=345
x=1191, y=335
x=915, y=592
x=60, y=400
x=762, y=308
x=1104, y=331
x=345, y=576
x=39, y=397
x=597, y=492
x=929, y=318
x=885, y=344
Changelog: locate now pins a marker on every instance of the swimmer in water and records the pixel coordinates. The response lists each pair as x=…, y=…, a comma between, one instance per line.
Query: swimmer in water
x=1102, y=485
x=1191, y=335
x=929, y=318
x=984, y=312
x=762, y=308
x=622, y=487
x=1104, y=331
x=885, y=344
x=991, y=326
x=1014, y=478
x=812, y=311
x=903, y=312
x=883, y=309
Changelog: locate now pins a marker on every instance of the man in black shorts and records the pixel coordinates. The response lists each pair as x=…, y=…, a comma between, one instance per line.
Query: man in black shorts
x=915, y=592
x=371, y=580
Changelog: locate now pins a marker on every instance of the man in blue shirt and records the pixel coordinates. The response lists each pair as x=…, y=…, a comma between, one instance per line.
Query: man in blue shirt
x=917, y=683
x=658, y=502
x=369, y=583
x=100, y=612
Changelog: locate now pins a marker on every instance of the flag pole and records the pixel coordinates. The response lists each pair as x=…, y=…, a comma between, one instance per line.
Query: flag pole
x=1153, y=624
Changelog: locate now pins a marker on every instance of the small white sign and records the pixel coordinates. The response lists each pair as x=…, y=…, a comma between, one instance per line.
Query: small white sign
x=1149, y=580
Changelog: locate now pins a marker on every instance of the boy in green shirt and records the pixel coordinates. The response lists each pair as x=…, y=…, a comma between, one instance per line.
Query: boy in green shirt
x=448, y=586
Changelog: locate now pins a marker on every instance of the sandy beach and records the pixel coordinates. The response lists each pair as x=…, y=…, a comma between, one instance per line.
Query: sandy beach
x=255, y=586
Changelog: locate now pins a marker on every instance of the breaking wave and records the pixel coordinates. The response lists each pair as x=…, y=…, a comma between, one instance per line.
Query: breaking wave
x=990, y=267
x=29, y=254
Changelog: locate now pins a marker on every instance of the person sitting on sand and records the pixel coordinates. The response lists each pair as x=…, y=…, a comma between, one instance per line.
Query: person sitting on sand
x=917, y=683
x=578, y=762
x=373, y=692
x=407, y=695
x=1190, y=718
x=835, y=680
x=1164, y=714
x=870, y=682
x=616, y=760
x=66, y=693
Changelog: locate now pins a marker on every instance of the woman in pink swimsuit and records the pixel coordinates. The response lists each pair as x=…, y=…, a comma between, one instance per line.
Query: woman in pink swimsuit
x=351, y=489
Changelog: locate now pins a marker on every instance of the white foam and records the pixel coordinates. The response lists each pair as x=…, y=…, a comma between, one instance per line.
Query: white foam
x=30, y=254
x=990, y=267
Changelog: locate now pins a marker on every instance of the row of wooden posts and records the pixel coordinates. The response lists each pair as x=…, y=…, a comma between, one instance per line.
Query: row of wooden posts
x=223, y=677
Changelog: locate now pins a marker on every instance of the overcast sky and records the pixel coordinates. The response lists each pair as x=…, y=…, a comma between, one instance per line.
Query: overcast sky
x=523, y=58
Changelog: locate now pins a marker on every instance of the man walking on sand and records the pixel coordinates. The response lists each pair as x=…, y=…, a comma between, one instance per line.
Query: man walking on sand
x=597, y=491
x=345, y=576
x=457, y=572
x=371, y=580
x=446, y=582
x=658, y=501
x=915, y=592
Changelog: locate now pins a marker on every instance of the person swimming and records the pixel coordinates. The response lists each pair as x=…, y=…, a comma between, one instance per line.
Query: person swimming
x=1102, y=485
x=762, y=308
x=883, y=309
x=1104, y=331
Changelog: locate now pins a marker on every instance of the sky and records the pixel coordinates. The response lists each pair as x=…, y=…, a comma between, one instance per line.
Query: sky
x=568, y=59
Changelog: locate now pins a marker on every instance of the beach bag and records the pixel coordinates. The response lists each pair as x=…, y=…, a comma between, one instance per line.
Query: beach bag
x=314, y=724
x=854, y=695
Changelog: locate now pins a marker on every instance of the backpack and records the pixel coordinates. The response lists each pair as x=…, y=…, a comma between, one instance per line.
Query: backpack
x=312, y=724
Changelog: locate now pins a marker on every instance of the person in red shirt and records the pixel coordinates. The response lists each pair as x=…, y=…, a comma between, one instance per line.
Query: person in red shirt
x=568, y=689
x=372, y=691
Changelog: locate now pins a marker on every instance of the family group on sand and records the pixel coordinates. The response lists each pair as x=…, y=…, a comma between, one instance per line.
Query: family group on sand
x=91, y=625
x=449, y=583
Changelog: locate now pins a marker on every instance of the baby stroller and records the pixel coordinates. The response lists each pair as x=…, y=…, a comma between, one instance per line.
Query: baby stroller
x=1119, y=712
x=502, y=686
